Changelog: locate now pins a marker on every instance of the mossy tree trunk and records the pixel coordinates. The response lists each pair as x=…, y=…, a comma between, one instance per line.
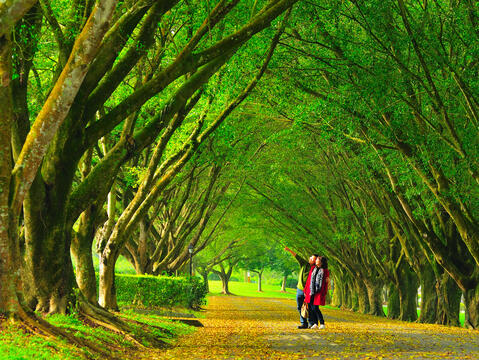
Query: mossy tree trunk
x=204, y=275
x=471, y=297
x=362, y=296
x=107, y=289
x=354, y=298
x=47, y=239
x=9, y=304
x=407, y=291
x=347, y=299
x=374, y=291
x=338, y=293
x=394, y=309
x=47, y=251
x=429, y=296
x=449, y=301
x=81, y=250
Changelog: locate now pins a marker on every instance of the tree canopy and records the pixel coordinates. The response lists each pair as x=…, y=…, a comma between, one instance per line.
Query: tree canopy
x=145, y=128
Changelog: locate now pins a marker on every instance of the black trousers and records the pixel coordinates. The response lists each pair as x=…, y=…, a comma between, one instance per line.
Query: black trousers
x=315, y=315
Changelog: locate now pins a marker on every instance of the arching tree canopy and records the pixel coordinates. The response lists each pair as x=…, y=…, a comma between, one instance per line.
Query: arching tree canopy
x=145, y=128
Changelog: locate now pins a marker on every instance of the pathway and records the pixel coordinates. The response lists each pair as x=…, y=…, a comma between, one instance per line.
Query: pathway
x=257, y=328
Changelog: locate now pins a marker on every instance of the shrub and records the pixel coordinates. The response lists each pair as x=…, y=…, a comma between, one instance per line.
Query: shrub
x=213, y=276
x=291, y=282
x=150, y=290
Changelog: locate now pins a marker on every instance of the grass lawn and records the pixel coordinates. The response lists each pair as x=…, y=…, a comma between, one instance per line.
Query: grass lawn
x=16, y=344
x=251, y=289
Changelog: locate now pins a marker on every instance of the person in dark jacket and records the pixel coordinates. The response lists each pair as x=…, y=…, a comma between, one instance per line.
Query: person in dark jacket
x=304, y=271
x=317, y=291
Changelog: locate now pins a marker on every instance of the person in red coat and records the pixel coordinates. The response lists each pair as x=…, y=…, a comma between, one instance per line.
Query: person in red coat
x=316, y=290
x=307, y=285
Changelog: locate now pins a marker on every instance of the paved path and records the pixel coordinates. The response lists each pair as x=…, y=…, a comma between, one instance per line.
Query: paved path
x=258, y=328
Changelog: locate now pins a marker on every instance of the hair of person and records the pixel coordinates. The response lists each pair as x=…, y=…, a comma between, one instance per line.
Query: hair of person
x=324, y=262
x=315, y=255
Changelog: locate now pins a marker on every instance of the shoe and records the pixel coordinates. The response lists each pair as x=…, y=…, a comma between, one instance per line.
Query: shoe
x=303, y=326
x=314, y=326
x=322, y=326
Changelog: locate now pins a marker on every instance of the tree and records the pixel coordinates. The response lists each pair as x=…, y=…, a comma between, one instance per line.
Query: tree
x=129, y=84
x=283, y=264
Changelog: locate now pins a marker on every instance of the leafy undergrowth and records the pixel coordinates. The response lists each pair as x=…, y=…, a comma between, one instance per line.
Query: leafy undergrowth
x=251, y=289
x=16, y=344
x=257, y=328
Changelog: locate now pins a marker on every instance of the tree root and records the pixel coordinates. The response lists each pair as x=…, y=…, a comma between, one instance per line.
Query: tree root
x=110, y=321
x=142, y=324
x=44, y=329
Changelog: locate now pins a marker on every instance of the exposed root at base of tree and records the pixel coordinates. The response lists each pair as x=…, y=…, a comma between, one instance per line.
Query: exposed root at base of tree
x=469, y=325
x=102, y=317
x=139, y=323
x=44, y=329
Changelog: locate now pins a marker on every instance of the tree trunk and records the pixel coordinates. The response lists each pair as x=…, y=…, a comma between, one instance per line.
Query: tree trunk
x=347, y=295
x=363, y=301
x=449, y=301
x=429, y=297
x=107, y=290
x=81, y=250
x=283, y=283
x=260, y=275
x=471, y=298
x=407, y=291
x=85, y=271
x=393, y=302
x=225, y=281
x=48, y=252
x=204, y=275
x=48, y=267
x=354, y=298
x=9, y=304
x=338, y=293
x=143, y=246
x=374, y=290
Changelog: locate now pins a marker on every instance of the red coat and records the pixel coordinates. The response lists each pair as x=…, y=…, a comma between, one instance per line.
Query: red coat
x=319, y=298
x=307, y=286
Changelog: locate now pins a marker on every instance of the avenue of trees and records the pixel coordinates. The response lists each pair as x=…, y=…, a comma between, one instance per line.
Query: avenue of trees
x=367, y=153
x=374, y=160
x=107, y=114
x=144, y=128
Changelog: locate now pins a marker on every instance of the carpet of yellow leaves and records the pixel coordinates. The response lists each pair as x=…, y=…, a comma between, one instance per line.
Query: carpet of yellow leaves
x=256, y=328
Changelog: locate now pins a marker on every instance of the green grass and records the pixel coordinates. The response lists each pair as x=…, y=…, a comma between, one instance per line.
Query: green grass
x=169, y=331
x=16, y=344
x=251, y=289
x=122, y=265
